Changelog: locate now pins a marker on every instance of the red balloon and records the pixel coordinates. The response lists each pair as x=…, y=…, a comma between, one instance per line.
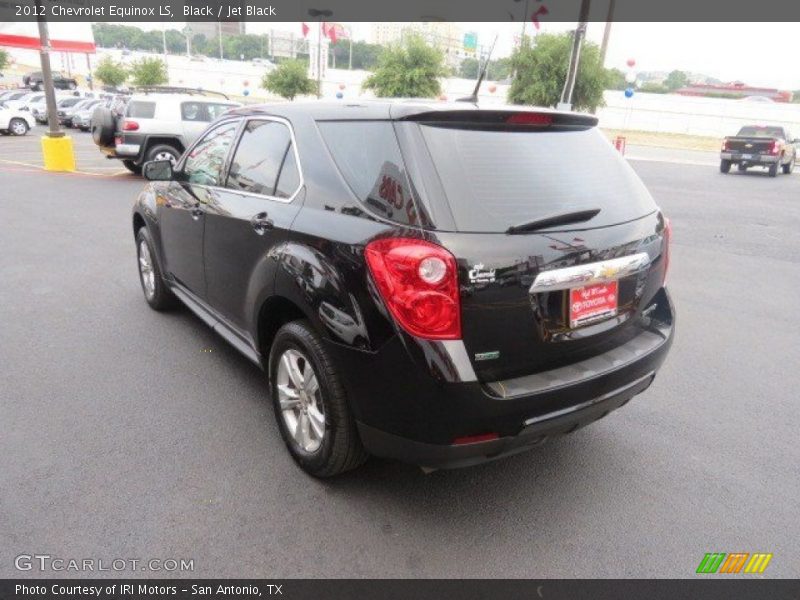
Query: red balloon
x=492, y=89
x=341, y=86
x=631, y=62
x=246, y=83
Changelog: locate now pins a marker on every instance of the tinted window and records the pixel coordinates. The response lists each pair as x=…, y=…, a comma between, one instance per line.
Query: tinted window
x=264, y=161
x=756, y=131
x=496, y=179
x=369, y=159
x=217, y=110
x=206, y=160
x=141, y=110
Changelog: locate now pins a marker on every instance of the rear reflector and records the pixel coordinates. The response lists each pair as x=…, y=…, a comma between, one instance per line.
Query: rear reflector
x=529, y=119
x=474, y=439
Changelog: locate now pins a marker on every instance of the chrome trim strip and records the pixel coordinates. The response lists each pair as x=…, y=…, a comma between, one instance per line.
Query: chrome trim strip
x=458, y=354
x=591, y=273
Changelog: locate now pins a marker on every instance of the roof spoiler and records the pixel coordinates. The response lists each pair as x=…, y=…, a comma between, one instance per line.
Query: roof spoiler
x=504, y=118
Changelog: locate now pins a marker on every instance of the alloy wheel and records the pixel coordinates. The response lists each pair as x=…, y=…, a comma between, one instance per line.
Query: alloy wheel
x=300, y=400
x=146, y=270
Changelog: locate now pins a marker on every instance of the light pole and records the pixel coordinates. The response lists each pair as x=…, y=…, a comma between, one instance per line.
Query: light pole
x=606, y=33
x=574, y=58
x=319, y=12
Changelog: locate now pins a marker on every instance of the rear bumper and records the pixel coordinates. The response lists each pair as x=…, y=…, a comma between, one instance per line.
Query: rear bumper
x=404, y=413
x=738, y=157
x=442, y=456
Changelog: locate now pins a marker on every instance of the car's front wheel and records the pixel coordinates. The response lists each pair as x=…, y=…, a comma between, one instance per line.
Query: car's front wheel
x=725, y=166
x=311, y=406
x=18, y=127
x=156, y=292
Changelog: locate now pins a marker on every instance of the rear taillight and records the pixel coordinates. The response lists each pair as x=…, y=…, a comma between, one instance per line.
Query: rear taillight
x=725, y=146
x=418, y=281
x=775, y=148
x=129, y=125
x=667, y=244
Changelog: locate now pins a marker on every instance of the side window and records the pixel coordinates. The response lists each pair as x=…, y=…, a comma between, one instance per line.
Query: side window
x=217, y=110
x=193, y=111
x=264, y=161
x=206, y=161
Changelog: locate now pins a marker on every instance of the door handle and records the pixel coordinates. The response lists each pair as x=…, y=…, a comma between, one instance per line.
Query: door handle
x=261, y=223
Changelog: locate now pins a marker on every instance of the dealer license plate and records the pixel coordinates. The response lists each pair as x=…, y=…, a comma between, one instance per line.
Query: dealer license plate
x=592, y=303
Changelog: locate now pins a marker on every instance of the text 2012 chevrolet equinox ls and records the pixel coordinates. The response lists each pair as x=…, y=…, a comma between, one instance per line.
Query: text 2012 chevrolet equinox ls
x=438, y=283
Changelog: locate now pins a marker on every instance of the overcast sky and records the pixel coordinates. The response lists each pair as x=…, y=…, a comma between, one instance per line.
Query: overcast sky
x=762, y=54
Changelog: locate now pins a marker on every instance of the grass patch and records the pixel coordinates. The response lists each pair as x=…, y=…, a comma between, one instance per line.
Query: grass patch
x=666, y=140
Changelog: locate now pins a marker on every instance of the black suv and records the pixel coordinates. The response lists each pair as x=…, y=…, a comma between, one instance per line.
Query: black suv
x=35, y=81
x=437, y=283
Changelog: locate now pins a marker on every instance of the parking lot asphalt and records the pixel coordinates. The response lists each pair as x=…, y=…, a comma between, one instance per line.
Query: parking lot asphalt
x=132, y=434
x=26, y=152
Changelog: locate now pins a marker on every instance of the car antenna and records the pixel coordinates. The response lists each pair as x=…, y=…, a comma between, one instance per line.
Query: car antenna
x=474, y=97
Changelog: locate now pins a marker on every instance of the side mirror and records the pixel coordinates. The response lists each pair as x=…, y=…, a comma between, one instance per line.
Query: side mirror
x=158, y=170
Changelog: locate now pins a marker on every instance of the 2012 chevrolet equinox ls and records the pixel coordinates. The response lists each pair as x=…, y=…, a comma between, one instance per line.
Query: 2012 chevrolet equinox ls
x=437, y=283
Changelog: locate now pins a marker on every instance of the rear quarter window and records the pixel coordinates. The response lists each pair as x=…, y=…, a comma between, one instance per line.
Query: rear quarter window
x=141, y=110
x=368, y=157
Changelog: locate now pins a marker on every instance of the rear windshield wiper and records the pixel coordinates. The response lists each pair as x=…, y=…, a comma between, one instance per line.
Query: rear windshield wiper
x=578, y=216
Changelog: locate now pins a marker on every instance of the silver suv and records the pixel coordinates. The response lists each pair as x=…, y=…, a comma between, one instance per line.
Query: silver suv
x=157, y=124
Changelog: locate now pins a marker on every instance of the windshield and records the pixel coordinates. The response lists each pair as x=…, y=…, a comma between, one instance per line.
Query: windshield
x=761, y=131
x=496, y=179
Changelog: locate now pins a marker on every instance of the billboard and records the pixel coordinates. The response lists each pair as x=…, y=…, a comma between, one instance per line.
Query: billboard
x=64, y=37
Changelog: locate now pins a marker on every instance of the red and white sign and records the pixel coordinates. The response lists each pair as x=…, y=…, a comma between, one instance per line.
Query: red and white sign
x=64, y=37
x=592, y=302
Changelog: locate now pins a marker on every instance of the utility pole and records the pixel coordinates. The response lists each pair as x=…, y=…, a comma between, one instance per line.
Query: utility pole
x=575, y=56
x=607, y=33
x=57, y=150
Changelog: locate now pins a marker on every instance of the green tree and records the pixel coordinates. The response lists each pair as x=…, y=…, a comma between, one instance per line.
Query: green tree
x=149, y=71
x=3, y=59
x=676, y=80
x=289, y=79
x=654, y=88
x=365, y=56
x=542, y=69
x=110, y=72
x=468, y=69
x=408, y=70
x=616, y=80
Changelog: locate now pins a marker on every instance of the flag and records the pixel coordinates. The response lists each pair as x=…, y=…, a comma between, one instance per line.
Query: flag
x=305, y=30
x=329, y=31
x=542, y=10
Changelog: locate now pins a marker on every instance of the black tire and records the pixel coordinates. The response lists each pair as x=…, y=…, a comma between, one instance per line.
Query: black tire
x=340, y=449
x=725, y=166
x=104, y=126
x=160, y=152
x=789, y=167
x=161, y=297
x=773, y=169
x=18, y=127
x=132, y=167
x=741, y=167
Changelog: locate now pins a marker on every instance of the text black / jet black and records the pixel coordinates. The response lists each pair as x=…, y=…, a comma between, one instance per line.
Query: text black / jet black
x=437, y=283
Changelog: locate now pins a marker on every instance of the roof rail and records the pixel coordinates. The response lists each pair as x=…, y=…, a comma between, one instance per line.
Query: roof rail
x=168, y=89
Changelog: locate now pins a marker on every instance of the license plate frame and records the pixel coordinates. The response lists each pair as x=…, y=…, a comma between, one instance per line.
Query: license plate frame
x=594, y=302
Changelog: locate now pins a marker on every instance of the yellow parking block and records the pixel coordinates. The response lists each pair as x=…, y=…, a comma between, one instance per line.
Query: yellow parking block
x=59, y=155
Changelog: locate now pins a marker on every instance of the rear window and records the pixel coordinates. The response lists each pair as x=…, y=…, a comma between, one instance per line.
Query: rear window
x=755, y=131
x=495, y=179
x=141, y=110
